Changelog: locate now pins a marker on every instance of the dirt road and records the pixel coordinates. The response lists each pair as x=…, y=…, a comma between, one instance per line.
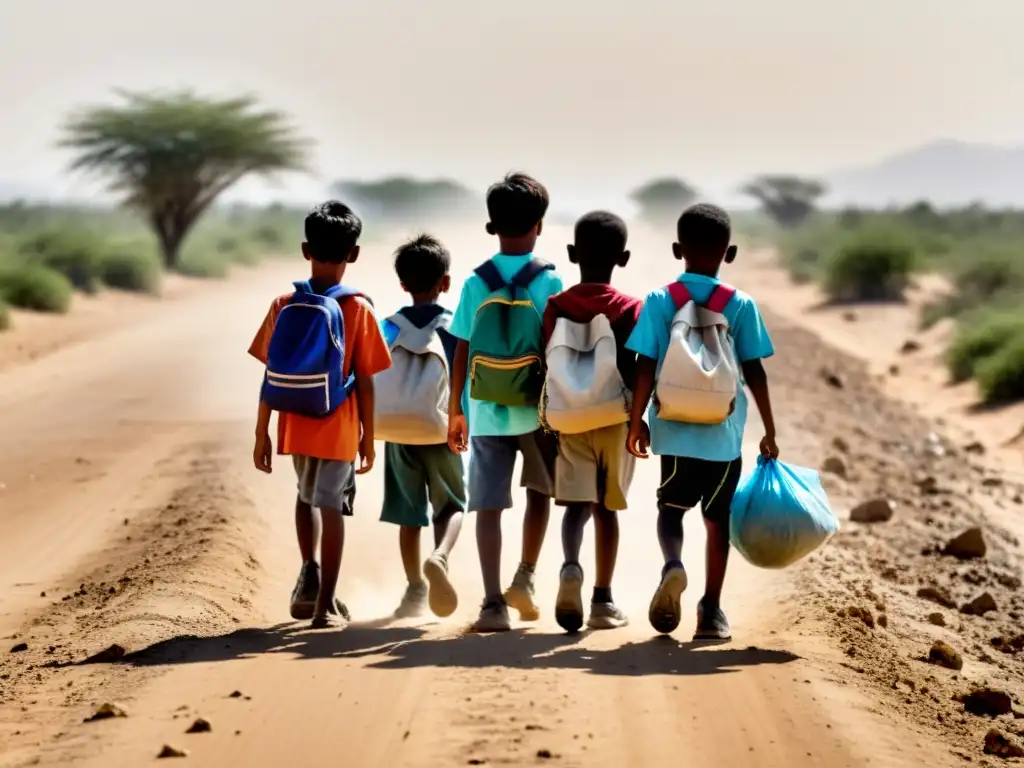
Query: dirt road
x=130, y=515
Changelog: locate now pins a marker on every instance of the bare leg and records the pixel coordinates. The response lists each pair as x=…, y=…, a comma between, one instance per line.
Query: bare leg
x=606, y=539
x=670, y=533
x=717, y=561
x=409, y=544
x=535, y=525
x=307, y=529
x=573, y=523
x=447, y=528
x=488, y=544
x=331, y=546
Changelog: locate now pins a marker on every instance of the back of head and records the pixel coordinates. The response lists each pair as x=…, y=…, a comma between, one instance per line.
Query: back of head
x=704, y=232
x=516, y=204
x=600, y=239
x=421, y=263
x=332, y=231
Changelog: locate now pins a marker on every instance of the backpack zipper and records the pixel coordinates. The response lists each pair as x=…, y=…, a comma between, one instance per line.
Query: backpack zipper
x=501, y=364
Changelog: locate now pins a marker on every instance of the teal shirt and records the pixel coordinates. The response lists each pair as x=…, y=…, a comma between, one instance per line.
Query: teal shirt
x=650, y=337
x=490, y=418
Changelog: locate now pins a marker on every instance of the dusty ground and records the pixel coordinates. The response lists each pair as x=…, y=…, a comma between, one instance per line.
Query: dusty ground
x=131, y=517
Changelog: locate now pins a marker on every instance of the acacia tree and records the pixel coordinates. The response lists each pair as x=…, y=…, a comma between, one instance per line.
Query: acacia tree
x=663, y=200
x=789, y=200
x=169, y=156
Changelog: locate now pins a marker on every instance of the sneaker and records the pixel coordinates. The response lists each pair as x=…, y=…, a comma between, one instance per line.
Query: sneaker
x=521, y=595
x=493, y=617
x=336, y=617
x=414, y=602
x=711, y=624
x=606, y=616
x=306, y=588
x=665, y=610
x=442, y=596
x=569, y=603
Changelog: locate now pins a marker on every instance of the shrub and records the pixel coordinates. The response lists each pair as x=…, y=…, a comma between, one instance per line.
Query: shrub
x=980, y=340
x=74, y=252
x=202, y=262
x=5, y=316
x=1001, y=375
x=30, y=286
x=131, y=267
x=871, y=267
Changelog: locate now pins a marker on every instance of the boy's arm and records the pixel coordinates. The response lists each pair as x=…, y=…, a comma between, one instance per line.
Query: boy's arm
x=639, y=439
x=365, y=403
x=369, y=357
x=757, y=382
x=458, y=429
x=263, y=452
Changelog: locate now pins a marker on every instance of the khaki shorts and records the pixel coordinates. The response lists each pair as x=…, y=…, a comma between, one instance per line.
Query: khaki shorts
x=594, y=467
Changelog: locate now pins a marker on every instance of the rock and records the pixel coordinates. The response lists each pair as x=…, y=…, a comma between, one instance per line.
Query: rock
x=107, y=711
x=1008, y=580
x=936, y=595
x=169, y=751
x=883, y=621
x=200, y=726
x=967, y=546
x=832, y=379
x=910, y=346
x=107, y=655
x=235, y=695
x=1001, y=745
x=986, y=702
x=19, y=648
x=544, y=754
x=943, y=655
x=937, y=619
x=833, y=465
x=975, y=447
x=873, y=511
x=862, y=614
x=840, y=445
x=928, y=485
x=979, y=606
x=894, y=370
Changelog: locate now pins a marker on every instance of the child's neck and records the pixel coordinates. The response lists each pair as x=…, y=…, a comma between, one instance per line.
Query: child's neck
x=422, y=299
x=705, y=269
x=522, y=245
x=327, y=273
x=598, y=276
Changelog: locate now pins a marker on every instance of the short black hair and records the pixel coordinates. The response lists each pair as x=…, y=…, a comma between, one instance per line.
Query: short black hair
x=600, y=236
x=516, y=204
x=332, y=231
x=704, y=230
x=421, y=262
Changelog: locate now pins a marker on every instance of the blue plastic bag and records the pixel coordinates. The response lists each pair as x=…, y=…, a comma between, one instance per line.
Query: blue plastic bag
x=780, y=514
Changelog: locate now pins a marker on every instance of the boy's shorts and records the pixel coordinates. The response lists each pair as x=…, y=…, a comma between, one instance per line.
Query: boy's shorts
x=326, y=483
x=595, y=467
x=687, y=482
x=492, y=459
x=415, y=475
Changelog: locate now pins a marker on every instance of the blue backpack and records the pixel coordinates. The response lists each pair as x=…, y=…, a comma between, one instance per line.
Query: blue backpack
x=306, y=356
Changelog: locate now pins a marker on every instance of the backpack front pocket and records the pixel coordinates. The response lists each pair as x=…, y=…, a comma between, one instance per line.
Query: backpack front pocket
x=511, y=382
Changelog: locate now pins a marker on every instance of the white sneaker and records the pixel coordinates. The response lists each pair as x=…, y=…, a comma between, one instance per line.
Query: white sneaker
x=441, y=596
x=606, y=616
x=521, y=595
x=493, y=617
x=414, y=602
x=569, y=603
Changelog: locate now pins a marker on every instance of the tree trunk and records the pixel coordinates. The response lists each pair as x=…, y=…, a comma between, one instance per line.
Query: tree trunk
x=170, y=226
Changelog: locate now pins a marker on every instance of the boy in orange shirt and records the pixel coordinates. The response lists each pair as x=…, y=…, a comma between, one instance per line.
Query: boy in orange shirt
x=324, y=450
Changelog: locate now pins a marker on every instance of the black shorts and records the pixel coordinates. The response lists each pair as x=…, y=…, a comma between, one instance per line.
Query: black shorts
x=687, y=482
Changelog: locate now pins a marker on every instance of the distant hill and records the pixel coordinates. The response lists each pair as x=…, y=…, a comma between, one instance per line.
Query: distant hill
x=947, y=173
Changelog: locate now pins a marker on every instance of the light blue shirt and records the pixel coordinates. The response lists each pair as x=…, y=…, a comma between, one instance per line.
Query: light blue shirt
x=490, y=418
x=650, y=338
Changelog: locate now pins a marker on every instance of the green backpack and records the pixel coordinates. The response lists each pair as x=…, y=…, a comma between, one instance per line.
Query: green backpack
x=505, y=345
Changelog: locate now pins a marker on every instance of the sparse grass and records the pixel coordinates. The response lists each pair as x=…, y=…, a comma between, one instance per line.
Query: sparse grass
x=30, y=286
x=872, y=266
x=1001, y=375
x=131, y=266
x=75, y=252
x=979, y=340
x=197, y=261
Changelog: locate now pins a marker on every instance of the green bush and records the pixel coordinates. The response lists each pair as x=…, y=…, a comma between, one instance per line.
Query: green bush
x=73, y=251
x=202, y=262
x=131, y=267
x=979, y=340
x=870, y=267
x=30, y=286
x=5, y=316
x=1001, y=375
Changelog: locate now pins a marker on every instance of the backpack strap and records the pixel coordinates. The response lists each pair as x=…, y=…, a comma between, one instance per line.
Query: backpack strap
x=530, y=272
x=680, y=294
x=720, y=298
x=489, y=273
x=339, y=292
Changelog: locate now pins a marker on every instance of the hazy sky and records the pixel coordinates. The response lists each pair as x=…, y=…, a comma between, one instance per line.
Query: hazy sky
x=592, y=96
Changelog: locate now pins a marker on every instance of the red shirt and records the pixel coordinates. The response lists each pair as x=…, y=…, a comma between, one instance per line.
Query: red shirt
x=583, y=302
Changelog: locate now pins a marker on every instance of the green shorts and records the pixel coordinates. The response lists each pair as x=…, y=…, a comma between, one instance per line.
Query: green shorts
x=418, y=478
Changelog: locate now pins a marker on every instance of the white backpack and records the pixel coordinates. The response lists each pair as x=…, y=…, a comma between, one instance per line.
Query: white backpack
x=584, y=389
x=699, y=378
x=411, y=397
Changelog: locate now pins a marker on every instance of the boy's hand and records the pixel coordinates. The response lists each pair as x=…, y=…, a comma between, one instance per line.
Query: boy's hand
x=768, y=447
x=639, y=439
x=458, y=433
x=262, y=454
x=367, y=454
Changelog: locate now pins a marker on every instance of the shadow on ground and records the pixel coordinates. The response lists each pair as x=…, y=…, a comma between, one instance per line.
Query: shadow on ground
x=385, y=646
